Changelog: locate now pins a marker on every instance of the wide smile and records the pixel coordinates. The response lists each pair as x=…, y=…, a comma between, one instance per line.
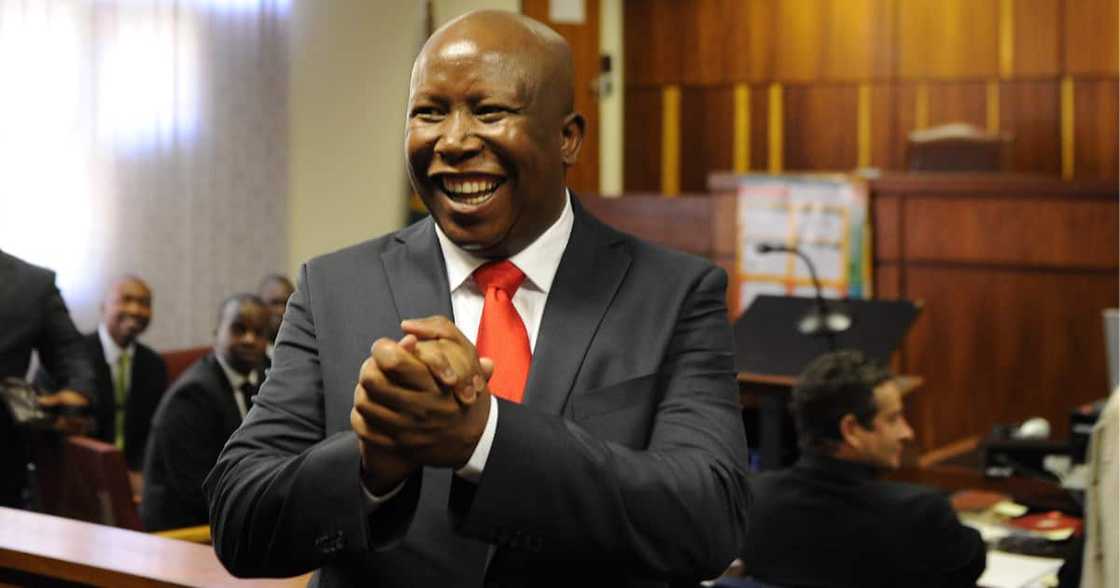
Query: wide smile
x=472, y=190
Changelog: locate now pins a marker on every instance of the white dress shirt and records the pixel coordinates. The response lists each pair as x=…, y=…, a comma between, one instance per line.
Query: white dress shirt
x=113, y=353
x=236, y=381
x=539, y=262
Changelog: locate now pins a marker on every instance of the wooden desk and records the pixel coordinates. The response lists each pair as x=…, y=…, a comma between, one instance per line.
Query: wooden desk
x=61, y=549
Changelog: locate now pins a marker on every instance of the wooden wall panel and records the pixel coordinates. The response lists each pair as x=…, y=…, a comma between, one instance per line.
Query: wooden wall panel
x=886, y=217
x=706, y=28
x=653, y=39
x=760, y=129
x=1091, y=36
x=706, y=135
x=1001, y=346
x=750, y=41
x=1030, y=112
x=642, y=170
x=948, y=39
x=1095, y=128
x=1036, y=37
x=1005, y=231
x=951, y=102
x=820, y=127
x=859, y=41
x=798, y=42
x=886, y=153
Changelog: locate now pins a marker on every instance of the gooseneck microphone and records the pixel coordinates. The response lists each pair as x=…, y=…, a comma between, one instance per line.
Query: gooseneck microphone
x=820, y=320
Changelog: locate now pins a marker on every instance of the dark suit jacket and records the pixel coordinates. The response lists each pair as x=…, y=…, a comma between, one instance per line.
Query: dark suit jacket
x=624, y=463
x=147, y=385
x=33, y=316
x=827, y=522
x=193, y=421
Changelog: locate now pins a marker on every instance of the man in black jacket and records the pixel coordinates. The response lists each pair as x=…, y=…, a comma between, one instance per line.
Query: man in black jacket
x=198, y=414
x=33, y=317
x=828, y=521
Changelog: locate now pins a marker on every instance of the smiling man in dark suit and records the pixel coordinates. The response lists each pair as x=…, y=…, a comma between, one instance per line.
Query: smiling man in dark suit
x=593, y=438
x=198, y=414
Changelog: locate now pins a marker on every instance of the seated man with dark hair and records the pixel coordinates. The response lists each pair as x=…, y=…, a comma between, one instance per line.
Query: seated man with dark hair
x=828, y=521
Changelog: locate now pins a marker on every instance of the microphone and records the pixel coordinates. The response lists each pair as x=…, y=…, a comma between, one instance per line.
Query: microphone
x=820, y=320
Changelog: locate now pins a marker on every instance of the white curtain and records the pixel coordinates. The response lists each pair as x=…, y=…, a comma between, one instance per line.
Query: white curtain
x=146, y=137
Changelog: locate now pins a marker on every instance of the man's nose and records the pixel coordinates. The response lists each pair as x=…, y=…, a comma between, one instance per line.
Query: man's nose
x=907, y=432
x=458, y=139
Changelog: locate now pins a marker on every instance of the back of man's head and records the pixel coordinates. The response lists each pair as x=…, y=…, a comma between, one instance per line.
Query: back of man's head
x=832, y=386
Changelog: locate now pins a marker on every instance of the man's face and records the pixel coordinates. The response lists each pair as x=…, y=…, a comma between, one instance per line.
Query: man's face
x=275, y=295
x=881, y=445
x=243, y=335
x=486, y=145
x=127, y=310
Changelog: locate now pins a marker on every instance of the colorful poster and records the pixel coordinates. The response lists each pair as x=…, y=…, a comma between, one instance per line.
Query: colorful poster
x=825, y=217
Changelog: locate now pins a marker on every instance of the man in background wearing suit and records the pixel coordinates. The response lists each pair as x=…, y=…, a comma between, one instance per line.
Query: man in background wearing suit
x=828, y=521
x=595, y=436
x=198, y=414
x=275, y=290
x=34, y=317
x=130, y=377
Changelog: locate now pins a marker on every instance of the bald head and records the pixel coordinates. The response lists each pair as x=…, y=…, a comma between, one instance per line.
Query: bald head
x=517, y=42
x=491, y=130
x=127, y=309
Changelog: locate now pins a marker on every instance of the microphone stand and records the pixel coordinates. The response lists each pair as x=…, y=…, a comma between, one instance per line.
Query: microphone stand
x=816, y=322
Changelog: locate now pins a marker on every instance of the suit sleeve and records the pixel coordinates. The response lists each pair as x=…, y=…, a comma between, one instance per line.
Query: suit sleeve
x=284, y=499
x=60, y=346
x=676, y=507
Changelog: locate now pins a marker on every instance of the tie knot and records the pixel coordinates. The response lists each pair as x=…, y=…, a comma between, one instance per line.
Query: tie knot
x=502, y=275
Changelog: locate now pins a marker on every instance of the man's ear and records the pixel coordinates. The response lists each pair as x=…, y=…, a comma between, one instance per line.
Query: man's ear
x=850, y=429
x=572, y=137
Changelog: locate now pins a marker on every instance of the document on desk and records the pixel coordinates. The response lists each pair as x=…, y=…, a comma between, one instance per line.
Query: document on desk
x=1008, y=570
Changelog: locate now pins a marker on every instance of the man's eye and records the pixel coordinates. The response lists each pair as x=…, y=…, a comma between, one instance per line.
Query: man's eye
x=491, y=113
x=427, y=113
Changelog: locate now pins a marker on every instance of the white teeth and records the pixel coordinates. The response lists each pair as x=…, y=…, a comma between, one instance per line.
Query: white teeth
x=469, y=191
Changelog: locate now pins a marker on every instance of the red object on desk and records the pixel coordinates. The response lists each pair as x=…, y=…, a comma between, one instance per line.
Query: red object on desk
x=1047, y=521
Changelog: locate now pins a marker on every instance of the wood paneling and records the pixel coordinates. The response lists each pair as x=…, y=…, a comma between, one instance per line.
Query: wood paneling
x=859, y=42
x=948, y=39
x=799, y=37
x=1005, y=231
x=706, y=29
x=1037, y=37
x=885, y=151
x=1001, y=346
x=760, y=127
x=706, y=134
x=951, y=102
x=642, y=171
x=1029, y=111
x=750, y=40
x=1095, y=128
x=1091, y=36
x=653, y=38
x=820, y=127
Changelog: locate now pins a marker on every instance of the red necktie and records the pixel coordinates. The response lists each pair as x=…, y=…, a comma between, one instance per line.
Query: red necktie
x=501, y=334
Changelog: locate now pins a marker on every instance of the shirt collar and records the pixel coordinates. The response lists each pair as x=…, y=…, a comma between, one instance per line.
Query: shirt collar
x=109, y=346
x=539, y=261
x=836, y=467
x=235, y=379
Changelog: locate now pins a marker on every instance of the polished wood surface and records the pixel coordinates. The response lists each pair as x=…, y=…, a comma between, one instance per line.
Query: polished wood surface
x=997, y=64
x=96, y=555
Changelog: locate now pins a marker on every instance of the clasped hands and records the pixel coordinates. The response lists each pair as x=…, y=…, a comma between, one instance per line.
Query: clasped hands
x=420, y=401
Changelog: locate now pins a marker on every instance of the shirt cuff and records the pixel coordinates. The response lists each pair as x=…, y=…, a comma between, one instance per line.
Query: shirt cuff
x=472, y=471
x=374, y=502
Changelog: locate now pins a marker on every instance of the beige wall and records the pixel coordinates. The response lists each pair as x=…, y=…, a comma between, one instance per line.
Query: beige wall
x=610, y=106
x=445, y=10
x=350, y=65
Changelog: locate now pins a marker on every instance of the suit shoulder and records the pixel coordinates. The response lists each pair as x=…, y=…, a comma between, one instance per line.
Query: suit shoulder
x=366, y=250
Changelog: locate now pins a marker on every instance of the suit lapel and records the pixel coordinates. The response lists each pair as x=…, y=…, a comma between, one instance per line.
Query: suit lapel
x=416, y=273
x=224, y=391
x=590, y=273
